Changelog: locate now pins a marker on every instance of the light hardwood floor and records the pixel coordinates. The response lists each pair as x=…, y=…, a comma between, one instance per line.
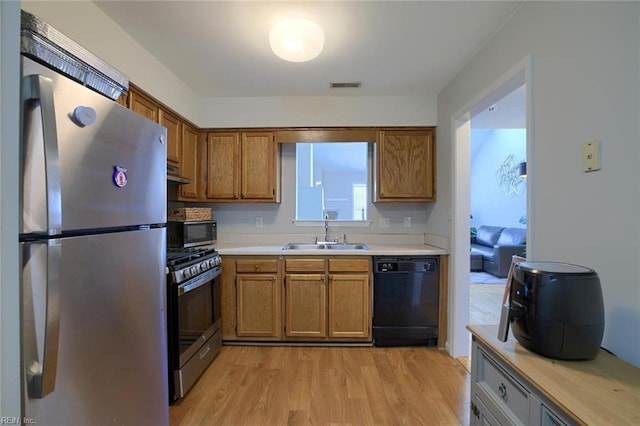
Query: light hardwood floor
x=293, y=385
x=263, y=385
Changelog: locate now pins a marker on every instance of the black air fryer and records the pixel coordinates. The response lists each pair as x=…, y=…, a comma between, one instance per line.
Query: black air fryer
x=556, y=309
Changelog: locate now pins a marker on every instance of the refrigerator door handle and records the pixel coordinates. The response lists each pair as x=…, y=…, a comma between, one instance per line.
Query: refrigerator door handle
x=39, y=89
x=41, y=376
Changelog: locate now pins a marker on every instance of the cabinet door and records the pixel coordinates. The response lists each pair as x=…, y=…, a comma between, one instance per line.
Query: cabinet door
x=189, y=163
x=258, y=155
x=143, y=105
x=174, y=135
x=305, y=305
x=349, y=301
x=223, y=166
x=258, y=305
x=405, y=166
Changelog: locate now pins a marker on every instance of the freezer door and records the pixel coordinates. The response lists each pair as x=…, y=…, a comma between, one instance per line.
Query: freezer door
x=111, y=354
x=97, y=162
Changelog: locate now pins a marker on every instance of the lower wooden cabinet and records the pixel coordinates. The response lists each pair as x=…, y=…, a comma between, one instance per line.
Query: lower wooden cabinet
x=258, y=298
x=349, y=306
x=328, y=298
x=305, y=305
x=258, y=305
x=297, y=299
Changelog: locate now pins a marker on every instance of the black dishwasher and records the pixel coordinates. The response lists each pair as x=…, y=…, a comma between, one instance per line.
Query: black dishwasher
x=405, y=301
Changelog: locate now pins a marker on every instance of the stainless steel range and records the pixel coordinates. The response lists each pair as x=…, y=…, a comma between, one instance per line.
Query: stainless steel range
x=193, y=315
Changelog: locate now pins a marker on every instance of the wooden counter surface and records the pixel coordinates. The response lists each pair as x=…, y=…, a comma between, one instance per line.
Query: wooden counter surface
x=601, y=391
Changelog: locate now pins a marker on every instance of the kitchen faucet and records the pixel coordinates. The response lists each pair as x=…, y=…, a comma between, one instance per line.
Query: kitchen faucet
x=326, y=227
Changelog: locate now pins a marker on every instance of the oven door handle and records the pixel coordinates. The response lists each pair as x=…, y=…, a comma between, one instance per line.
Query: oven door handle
x=199, y=281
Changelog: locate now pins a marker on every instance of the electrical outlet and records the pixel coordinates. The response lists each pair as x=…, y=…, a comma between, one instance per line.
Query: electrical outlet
x=384, y=222
x=259, y=222
x=591, y=153
x=406, y=222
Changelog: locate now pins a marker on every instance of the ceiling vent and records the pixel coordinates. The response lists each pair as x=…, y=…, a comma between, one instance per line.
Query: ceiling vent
x=346, y=85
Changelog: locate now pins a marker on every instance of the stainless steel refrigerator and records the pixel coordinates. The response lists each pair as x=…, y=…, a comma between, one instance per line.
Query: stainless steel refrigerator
x=92, y=238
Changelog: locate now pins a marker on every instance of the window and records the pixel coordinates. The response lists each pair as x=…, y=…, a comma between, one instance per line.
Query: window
x=331, y=180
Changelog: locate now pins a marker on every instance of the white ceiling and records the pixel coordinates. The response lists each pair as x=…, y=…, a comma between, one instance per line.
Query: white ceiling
x=394, y=48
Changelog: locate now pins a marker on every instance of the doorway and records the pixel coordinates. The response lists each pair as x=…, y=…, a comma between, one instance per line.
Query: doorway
x=497, y=197
x=518, y=78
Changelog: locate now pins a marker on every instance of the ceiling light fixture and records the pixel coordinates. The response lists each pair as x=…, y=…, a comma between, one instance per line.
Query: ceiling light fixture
x=296, y=40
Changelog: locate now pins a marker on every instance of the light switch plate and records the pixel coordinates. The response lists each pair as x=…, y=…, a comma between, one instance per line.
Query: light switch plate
x=406, y=222
x=384, y=222
x=591, y=153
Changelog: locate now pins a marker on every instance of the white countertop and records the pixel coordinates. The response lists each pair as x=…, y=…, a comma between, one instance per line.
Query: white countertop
x=374, y=250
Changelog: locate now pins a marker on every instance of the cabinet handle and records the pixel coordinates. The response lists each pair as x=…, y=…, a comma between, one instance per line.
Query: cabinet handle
x=321, y=278
x=255, y=267
x=243, y=195
x=502, y=391
x=331, y=277
x=235, y=195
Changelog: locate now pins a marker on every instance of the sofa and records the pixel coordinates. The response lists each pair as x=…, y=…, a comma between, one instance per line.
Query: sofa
x=497, y=245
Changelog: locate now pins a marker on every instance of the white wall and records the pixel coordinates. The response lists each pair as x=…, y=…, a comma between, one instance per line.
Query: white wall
x=321, y=111
x=86, y=24
x=585, y=85
x=490, y=205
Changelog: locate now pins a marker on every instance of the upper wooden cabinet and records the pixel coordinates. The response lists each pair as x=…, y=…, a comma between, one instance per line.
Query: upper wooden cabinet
x=258, y=152
x=242, y=166
x=190, y=164
x=405, y=166
x=143, y=104
x=174, y=128
x=223, y=166
x=148, y=107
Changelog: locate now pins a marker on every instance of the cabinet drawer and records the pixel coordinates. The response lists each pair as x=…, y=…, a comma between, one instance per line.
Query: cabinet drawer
x=512, y=398
x=348, y=265
x=304, y=265
x=257, y=265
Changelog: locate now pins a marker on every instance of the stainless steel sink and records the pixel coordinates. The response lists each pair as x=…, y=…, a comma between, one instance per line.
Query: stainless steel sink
x=302, y=246
x=347, y=247
x=325, y=246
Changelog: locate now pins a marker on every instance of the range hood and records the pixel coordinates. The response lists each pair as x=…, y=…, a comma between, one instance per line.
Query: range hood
x=173, y=176
x=177, y=180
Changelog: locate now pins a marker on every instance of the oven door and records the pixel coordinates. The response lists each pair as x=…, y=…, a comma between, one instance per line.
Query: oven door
x=197, y=314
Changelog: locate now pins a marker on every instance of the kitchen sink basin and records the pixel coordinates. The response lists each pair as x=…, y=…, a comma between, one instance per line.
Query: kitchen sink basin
x=302, y=246
x=325, y=246
x=347, y=247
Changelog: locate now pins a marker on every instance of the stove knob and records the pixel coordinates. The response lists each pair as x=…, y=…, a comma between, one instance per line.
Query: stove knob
x=186, y=273
x=194, y=271
x=218, y=260
x=204, y=265
x=211, y=263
